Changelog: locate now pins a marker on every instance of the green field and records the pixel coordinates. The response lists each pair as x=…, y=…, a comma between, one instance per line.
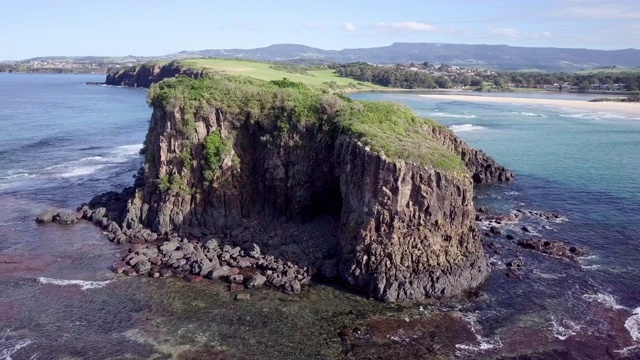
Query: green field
x=270, y=71
x=609, y=71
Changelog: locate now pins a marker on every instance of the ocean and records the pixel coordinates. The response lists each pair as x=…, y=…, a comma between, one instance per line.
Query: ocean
x=63, y=141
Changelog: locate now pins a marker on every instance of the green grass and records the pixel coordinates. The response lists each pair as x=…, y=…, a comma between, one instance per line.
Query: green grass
x=284, y=107
x=269, y=71
x=612, y=71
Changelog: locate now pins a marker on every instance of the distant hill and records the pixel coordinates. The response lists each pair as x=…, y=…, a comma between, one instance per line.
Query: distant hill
x=500, y=57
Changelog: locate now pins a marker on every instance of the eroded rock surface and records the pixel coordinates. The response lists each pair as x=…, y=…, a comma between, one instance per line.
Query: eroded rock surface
x=294, y=203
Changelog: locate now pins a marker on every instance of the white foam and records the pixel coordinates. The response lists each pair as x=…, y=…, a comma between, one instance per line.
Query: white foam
x=466, y=128
x=545, y=275
x=564, y=329
x=130, y=149
x=84, y=285
x=529, y=114
x=82, y=171
x=633, y=324
x=497, y=263
x=449, y=115
x=591, y=267
x=11, y=347
x=626, y=351
x=606, y=299
x=484, y=343
x=598, y=116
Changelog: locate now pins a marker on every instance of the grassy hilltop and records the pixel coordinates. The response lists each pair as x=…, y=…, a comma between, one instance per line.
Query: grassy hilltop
x=285, y=105
x=312, y=76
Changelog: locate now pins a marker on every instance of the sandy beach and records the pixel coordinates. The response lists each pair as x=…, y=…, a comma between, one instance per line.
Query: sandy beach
x=622, y=108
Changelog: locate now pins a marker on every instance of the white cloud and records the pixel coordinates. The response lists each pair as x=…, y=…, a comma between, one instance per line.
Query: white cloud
x=413, y=26
x=600, y=12
x=349, y=26
x=508, y=32
x=517, y=34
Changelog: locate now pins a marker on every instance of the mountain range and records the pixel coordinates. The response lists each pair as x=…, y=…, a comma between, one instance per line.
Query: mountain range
x=500, y=57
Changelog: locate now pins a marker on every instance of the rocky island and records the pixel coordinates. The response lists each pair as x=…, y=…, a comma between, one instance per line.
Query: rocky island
x=277, y=182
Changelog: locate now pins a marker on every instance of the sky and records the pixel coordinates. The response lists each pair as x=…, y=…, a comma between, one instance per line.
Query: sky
x=31, y=28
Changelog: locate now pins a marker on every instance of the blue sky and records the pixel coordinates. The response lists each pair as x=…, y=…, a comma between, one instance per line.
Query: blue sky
x=32, y=28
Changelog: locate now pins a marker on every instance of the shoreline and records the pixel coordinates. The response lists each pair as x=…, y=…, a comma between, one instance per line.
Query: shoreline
x=626, y=109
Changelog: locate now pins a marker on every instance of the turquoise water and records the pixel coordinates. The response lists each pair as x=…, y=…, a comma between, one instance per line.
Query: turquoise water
x=578, y=162
x=63, y=141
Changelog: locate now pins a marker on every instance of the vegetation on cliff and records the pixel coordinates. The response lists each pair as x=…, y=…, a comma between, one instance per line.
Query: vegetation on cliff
x=387, y=128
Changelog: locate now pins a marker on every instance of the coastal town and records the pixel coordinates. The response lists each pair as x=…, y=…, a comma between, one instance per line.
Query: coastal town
x=611, y=80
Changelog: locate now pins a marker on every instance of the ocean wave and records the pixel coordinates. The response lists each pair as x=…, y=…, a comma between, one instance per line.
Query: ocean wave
x=484, y=343
x=466, y=127
x=564, y=329
x=543, y=275
x=632, y=324
x=84, y=285
x=449, y=115
x=8, y=348
x=598, y=116
x=92, y=164
x=523, y=113
x=606, y=299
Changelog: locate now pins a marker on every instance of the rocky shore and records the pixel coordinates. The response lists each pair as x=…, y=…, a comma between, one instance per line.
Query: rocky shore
x=255, y=200
x=499, y=227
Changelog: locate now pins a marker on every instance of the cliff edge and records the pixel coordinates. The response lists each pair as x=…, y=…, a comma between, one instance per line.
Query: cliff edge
x=148, y=74
x=364, y=192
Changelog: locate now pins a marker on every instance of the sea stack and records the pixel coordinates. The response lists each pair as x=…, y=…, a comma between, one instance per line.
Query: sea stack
x=255, y=163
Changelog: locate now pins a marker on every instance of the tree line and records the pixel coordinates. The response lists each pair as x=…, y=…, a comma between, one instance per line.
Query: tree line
x=402, y=76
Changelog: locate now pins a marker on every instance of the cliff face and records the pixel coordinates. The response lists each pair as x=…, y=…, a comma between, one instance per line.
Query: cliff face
x=148, y=74
x=407, y=232
x=483, y=169
x=400, y=230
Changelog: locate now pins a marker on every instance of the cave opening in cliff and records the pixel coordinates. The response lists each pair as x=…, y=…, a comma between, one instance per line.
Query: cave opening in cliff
x=327, y=201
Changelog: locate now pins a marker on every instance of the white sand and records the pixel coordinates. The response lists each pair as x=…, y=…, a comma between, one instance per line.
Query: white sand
x=622, y=108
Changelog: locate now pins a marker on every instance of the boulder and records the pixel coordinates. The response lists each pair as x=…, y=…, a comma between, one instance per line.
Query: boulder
x=243, y=296
x=256, y=280
x=252, y=250
x=119, y=267
x=45, y=216
x=292, y=287
x=169, y=246
x=236, y=279
x=219, y=272
x=65, y=218
x=143, y=266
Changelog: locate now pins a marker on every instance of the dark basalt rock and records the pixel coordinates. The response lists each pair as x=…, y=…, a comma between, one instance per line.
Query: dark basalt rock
x=553, y=248
x=279, y=210
x=146, y=75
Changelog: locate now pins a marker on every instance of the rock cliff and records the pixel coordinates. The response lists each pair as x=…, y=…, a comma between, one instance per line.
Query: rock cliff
x=364, y=192
x=148, y=74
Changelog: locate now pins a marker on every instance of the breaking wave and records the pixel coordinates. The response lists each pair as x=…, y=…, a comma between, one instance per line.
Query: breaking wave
x=84, y=285
x=465, y=128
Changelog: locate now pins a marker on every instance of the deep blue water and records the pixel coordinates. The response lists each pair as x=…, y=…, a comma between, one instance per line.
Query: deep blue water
x=63, y=141
x=61, y=135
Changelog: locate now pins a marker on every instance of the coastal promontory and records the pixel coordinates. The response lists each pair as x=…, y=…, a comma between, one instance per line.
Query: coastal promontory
x=299, y=178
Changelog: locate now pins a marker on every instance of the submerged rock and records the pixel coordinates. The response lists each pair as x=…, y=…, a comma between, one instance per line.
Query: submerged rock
x=553, y=248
